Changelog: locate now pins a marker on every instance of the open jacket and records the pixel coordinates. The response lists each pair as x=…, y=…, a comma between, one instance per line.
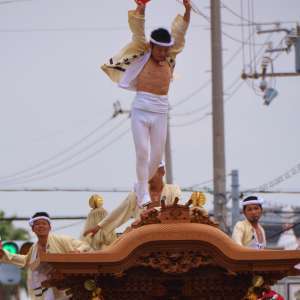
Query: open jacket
x=139, y=47
x=243, y=234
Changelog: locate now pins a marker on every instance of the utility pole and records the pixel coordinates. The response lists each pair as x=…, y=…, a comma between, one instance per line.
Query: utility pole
x=297, y=49
x=235, y=196
x=220, y=213
x=168, y=155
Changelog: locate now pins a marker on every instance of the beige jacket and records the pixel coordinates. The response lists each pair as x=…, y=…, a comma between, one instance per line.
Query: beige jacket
x=244, y=234
x=137, y=48
x=100, y=240
x=129, y=209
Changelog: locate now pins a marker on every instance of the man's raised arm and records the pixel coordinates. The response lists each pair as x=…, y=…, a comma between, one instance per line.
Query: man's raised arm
x=18, y=260
x=136, y=21
x=179, y=28
x=140, y=8
x=188, y=7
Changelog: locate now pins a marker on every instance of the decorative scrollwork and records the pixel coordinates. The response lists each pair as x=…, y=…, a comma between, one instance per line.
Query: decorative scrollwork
x=175, y=262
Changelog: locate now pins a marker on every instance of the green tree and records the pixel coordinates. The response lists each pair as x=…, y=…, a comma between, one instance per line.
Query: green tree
x=9, y=232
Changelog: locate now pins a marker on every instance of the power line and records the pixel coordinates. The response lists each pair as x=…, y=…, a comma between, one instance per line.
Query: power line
x=278, y=180
x=65, y=29
x=64, y=160
x=60, y=153
x=192, y=188
x=251, y=23
x=227, y=34
x=209, y=113
x=76, y=163
x=13, y=1
x=65, y=189
x=208, y=82
x=68, y=226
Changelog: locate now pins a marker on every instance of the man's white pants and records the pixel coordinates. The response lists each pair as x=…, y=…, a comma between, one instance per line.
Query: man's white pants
x=149, y=131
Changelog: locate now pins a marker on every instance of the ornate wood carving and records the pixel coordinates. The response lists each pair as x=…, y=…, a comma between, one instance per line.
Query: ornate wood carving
x=198, y=215
x=174, y=213
x=175, y=262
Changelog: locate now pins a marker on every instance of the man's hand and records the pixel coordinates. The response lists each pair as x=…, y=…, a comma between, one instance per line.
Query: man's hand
x=188, y=6
x=92, y=231
x=141, y=5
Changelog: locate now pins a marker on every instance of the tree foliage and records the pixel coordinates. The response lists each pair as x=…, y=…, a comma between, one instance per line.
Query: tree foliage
x=9, y=232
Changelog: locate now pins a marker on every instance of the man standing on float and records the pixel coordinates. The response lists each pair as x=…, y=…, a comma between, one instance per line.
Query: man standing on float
x=147, y=68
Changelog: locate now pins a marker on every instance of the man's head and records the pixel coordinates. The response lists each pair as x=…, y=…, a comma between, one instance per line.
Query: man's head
x=160, y=41
x=40, y=223
x=252, y=208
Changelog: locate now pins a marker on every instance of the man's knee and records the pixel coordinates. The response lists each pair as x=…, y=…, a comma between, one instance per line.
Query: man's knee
x=142, y=155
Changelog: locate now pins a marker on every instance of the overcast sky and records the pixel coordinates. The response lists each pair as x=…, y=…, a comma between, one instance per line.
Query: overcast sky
x=53, y=97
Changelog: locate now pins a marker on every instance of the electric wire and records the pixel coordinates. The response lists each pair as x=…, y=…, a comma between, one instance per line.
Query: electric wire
x=205, y=85
x=64, y=160
x=13, y=1
x=249, y=23
x=278, y=180
x=253, y=35
x=55, y=229
x=197, y=120
x=243, y=37
x=78, y=162
x=250, y=47
x=58, y=154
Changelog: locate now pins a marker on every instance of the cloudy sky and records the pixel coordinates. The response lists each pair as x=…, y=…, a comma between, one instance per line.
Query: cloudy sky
x=56, y=105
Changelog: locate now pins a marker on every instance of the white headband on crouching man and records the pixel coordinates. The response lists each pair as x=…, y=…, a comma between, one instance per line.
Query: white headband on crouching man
x=33, y=219
x=162, y=164
x=252, y=200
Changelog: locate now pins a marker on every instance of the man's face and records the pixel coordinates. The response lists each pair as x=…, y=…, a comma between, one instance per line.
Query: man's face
x=41, y=227
x=159, y=53
x=253, y=212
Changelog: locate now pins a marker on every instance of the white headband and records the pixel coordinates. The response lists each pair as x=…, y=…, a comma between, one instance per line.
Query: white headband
x=258, y=200
x=162, y=164
x=32, y=220
x=171, y=43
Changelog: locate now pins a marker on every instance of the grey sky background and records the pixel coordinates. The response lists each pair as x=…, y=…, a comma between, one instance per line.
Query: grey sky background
x=53, y=94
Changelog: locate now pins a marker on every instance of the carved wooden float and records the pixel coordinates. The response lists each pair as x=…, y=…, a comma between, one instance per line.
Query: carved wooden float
x=175, y=253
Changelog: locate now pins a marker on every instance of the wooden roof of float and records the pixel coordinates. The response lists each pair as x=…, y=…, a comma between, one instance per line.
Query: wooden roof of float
x=177, y=253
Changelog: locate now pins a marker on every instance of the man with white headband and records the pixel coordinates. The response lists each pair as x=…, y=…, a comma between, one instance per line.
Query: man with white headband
x=47, y=242
x=147, y=68
x=129, y=208
x=250, y=233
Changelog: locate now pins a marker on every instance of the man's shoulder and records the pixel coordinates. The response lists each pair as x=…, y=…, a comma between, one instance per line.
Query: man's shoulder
x=240, y=224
